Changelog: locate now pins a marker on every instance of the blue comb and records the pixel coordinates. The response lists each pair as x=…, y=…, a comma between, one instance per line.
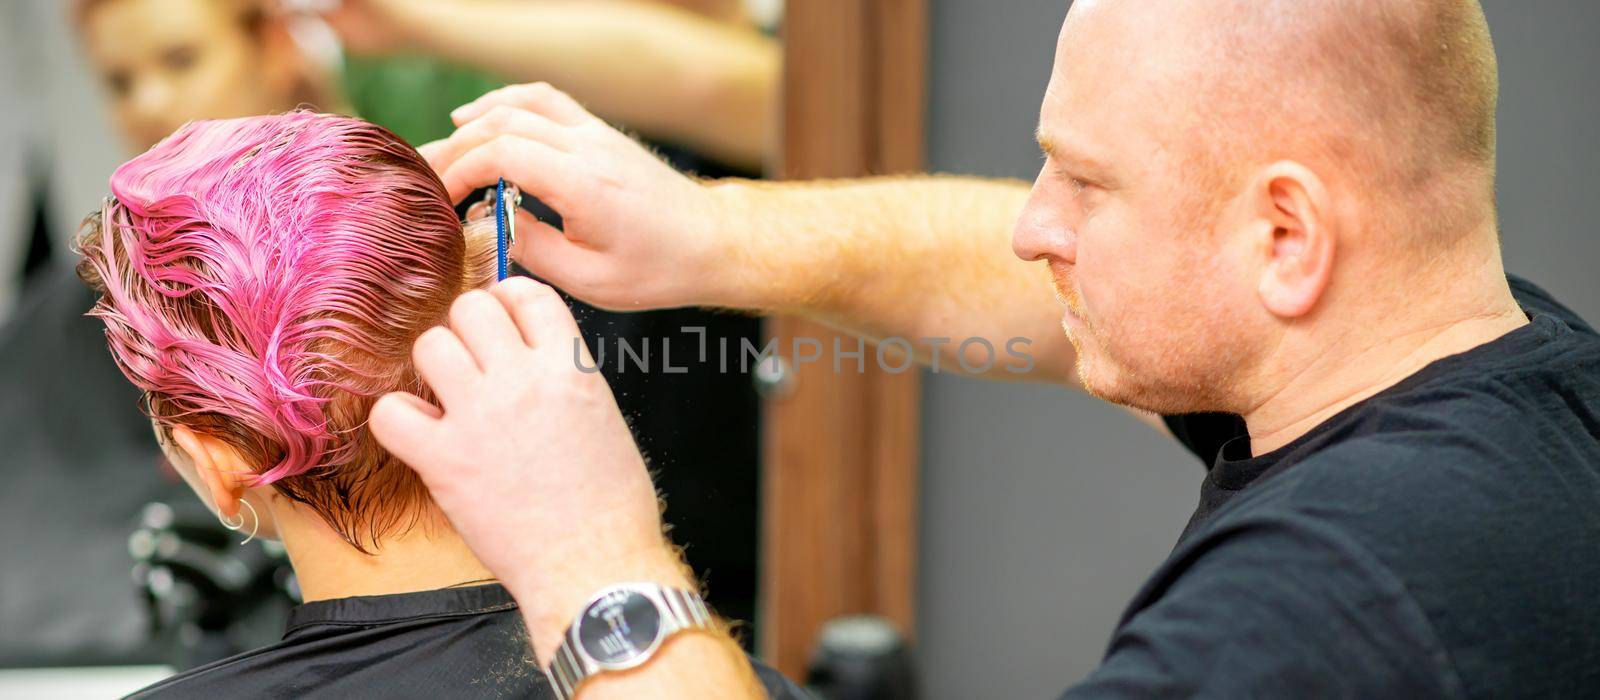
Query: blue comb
x=507, y=198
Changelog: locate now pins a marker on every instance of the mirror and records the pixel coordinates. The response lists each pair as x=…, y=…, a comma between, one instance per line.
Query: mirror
x=699, y=80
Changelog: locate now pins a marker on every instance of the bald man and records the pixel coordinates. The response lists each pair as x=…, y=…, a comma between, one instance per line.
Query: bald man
x=1271, y=223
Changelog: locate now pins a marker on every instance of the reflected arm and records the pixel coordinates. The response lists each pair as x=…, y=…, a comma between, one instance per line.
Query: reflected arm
x=667, y=72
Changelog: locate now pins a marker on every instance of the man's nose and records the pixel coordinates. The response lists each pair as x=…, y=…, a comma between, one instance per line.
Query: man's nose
x=1042, y=230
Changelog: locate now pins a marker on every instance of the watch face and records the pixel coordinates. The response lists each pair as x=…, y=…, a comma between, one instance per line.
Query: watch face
x=619, y=627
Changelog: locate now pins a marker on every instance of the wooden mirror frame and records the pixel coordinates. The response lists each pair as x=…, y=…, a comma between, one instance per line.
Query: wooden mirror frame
x=839, y=479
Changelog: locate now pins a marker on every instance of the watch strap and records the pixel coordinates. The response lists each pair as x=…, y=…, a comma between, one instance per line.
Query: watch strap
x=680, y=610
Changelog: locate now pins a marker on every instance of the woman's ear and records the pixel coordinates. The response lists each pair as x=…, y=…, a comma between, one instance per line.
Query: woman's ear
x=1298, y=240
x=218, y=466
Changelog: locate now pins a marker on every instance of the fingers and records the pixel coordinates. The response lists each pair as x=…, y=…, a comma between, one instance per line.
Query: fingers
x=429, y=150
x=537, y=168
x=547, y=252
x=405, y=425
x=540, y=98
x=484, y=326
x=499, y=120
x=446, y=365
x=540, y=314
x=418, y=403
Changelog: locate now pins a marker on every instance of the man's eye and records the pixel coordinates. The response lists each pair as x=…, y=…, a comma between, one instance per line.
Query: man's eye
x=1079, y=185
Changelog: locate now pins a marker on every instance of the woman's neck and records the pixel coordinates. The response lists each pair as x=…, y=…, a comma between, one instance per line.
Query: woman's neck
x=428, y=556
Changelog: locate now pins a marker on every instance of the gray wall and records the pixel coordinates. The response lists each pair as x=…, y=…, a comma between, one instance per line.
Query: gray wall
x=1043, y=510
x=55, y=136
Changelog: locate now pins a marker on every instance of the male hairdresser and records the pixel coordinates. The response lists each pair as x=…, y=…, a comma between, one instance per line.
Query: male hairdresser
x=1270, y=223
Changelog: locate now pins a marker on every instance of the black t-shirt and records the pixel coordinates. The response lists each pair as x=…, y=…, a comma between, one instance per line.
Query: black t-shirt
x=1439, y=539
x=446, y=643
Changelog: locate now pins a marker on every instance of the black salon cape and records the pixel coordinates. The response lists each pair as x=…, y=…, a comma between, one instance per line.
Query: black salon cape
x=1440, y=539
x=447, y=643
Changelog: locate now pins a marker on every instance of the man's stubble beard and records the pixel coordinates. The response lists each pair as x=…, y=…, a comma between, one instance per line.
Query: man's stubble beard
x=1190, y=387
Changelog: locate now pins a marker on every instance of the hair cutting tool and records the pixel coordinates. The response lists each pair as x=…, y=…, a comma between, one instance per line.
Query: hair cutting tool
x=505, y=199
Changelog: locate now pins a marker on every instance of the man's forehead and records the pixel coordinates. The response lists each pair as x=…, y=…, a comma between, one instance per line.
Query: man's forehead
x=1130, y=39
x=1115, y=83
x=1082, y=125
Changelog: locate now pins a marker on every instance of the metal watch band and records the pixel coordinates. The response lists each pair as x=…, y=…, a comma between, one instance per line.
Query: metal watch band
x=679, y=609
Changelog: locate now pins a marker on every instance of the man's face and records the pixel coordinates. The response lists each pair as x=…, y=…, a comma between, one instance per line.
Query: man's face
x=167, y=62
x=1155, y=302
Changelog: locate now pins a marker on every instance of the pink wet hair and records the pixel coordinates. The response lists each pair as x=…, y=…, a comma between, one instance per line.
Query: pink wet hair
x=263, y=280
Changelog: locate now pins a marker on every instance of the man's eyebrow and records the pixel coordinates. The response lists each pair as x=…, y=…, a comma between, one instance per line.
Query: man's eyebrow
x=1046, y=144
x=1056, y=149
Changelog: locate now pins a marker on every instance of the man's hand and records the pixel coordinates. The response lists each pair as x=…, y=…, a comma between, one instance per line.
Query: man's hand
x=371, y=26
x=638, y=234
x=529, y=458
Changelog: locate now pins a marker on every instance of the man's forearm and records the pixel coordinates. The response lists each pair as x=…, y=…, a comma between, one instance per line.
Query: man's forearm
x=913, y=258
x=689, y=666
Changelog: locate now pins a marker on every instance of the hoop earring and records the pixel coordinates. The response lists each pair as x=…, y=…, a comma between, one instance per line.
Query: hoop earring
x=254, y=518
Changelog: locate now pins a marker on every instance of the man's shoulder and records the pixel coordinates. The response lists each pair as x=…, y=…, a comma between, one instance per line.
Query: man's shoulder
x=1456, y=474
x=1497, y=499
x=1534, y=299
x=1493, y=541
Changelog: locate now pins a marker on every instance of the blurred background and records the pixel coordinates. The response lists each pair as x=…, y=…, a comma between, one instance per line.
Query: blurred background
x=944, y=510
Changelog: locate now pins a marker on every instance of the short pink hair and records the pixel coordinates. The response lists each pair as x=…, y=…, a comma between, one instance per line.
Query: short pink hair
x=263, y=280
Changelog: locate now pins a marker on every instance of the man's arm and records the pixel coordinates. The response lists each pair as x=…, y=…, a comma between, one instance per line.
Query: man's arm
x=665, y=71
x=922, y=257
x=911, y=257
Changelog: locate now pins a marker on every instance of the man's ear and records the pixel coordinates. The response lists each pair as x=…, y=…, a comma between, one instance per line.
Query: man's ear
x=218, y=465
x=1298, y=240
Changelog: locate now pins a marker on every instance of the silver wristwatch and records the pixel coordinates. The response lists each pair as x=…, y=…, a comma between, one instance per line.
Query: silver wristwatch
x=620, y=628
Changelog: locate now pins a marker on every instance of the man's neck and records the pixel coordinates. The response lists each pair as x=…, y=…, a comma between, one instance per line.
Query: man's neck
x=1349, y=371
x=428, y=556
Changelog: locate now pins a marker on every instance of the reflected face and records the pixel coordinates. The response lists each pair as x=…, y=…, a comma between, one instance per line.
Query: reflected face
x=1123, y=216
x=167, y=62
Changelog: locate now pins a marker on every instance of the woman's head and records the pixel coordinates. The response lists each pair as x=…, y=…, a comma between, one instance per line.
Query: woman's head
x=166, y=62
x=262, y=280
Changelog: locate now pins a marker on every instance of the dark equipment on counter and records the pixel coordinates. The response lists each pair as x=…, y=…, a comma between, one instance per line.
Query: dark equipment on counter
x=208, y=597
x=861, y=658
